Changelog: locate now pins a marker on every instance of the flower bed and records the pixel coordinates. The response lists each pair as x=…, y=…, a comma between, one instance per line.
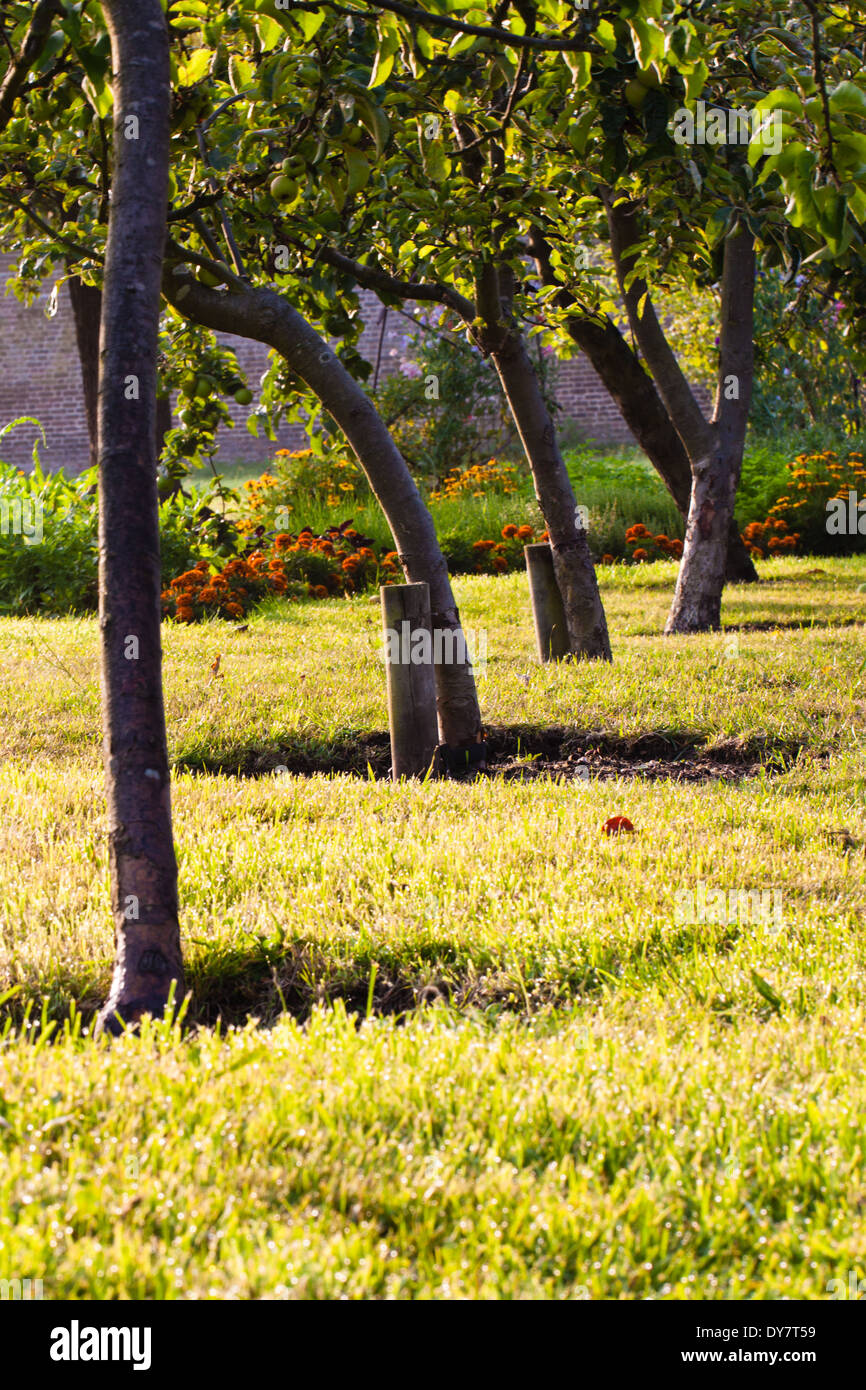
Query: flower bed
x=340, y=561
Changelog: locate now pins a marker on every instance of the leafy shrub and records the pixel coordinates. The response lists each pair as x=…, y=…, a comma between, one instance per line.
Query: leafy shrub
x=56, y=571
x=444, y=406
x=477, y=480
x=53, y=568
x=484, y=556
x=296, y=478
x=813, y=480
x=808, y=362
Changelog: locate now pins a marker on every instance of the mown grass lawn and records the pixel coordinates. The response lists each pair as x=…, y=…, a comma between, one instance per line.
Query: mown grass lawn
x=600, y=1100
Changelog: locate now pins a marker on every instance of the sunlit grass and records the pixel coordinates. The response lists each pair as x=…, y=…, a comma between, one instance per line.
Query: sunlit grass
x=604, y=1100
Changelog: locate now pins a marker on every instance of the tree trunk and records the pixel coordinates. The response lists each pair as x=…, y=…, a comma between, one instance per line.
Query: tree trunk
x=500, y=337
x=86, y=303
x=633, y=389
x=640, y=406
x=572, y=561
x=714, y=448
x=266, y=317
x=697, y=601
x=141, y=850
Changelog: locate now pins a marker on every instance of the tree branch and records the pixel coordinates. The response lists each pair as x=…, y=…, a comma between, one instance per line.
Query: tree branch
x=375, y=278
x=34, y=41
x=483, y=31
x=686, y=415
x=818, y=68
x=79, y=253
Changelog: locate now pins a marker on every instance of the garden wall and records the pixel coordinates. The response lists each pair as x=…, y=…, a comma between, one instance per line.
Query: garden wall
x=40, y=376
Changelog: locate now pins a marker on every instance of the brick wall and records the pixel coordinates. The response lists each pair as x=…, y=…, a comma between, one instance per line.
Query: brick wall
x=40, y=376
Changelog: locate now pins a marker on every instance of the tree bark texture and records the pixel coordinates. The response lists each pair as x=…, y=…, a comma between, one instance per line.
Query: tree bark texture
x=141, y=849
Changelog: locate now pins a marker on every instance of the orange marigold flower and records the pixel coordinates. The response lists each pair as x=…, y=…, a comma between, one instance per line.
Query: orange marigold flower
x=483, y=545
x=509, y=531
x=235, y=609
x=320, y=591
x=525, y=533
x=640, y=554
x=500, y=564
x=607, y=559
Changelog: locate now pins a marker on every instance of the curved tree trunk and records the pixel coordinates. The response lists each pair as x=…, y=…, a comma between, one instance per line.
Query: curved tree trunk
x=490, y=319
x=714, y=447
x=141, y=850
x=641, y=407
x=715, y=477
x=266, y=317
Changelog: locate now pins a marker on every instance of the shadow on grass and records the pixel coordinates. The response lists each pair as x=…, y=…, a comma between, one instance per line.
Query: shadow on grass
x=524, y=752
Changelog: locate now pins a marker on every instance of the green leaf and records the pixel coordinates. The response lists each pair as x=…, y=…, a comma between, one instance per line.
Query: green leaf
x=197, y=67
x=766, y=991
x=336, y=189
x=578, y=133
x=454, y=102
x=425, y=43
x=241, y=73
x=649, y=42
x=383, y=64
x=780, y=99
x=310, y=21
x=100, y=97
x=604, y=33
x=271, y=34
x=359, y=170
x=580, y=65
x=717, y=227
x=437, y=166
x=849, y=97
x=696, y=80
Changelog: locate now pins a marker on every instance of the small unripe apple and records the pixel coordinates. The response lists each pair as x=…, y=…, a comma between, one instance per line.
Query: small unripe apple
x=636, y=93
x=188, y=384
x=650, y=78
x=202, y=388
x=284, y=188
x=243, y=396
